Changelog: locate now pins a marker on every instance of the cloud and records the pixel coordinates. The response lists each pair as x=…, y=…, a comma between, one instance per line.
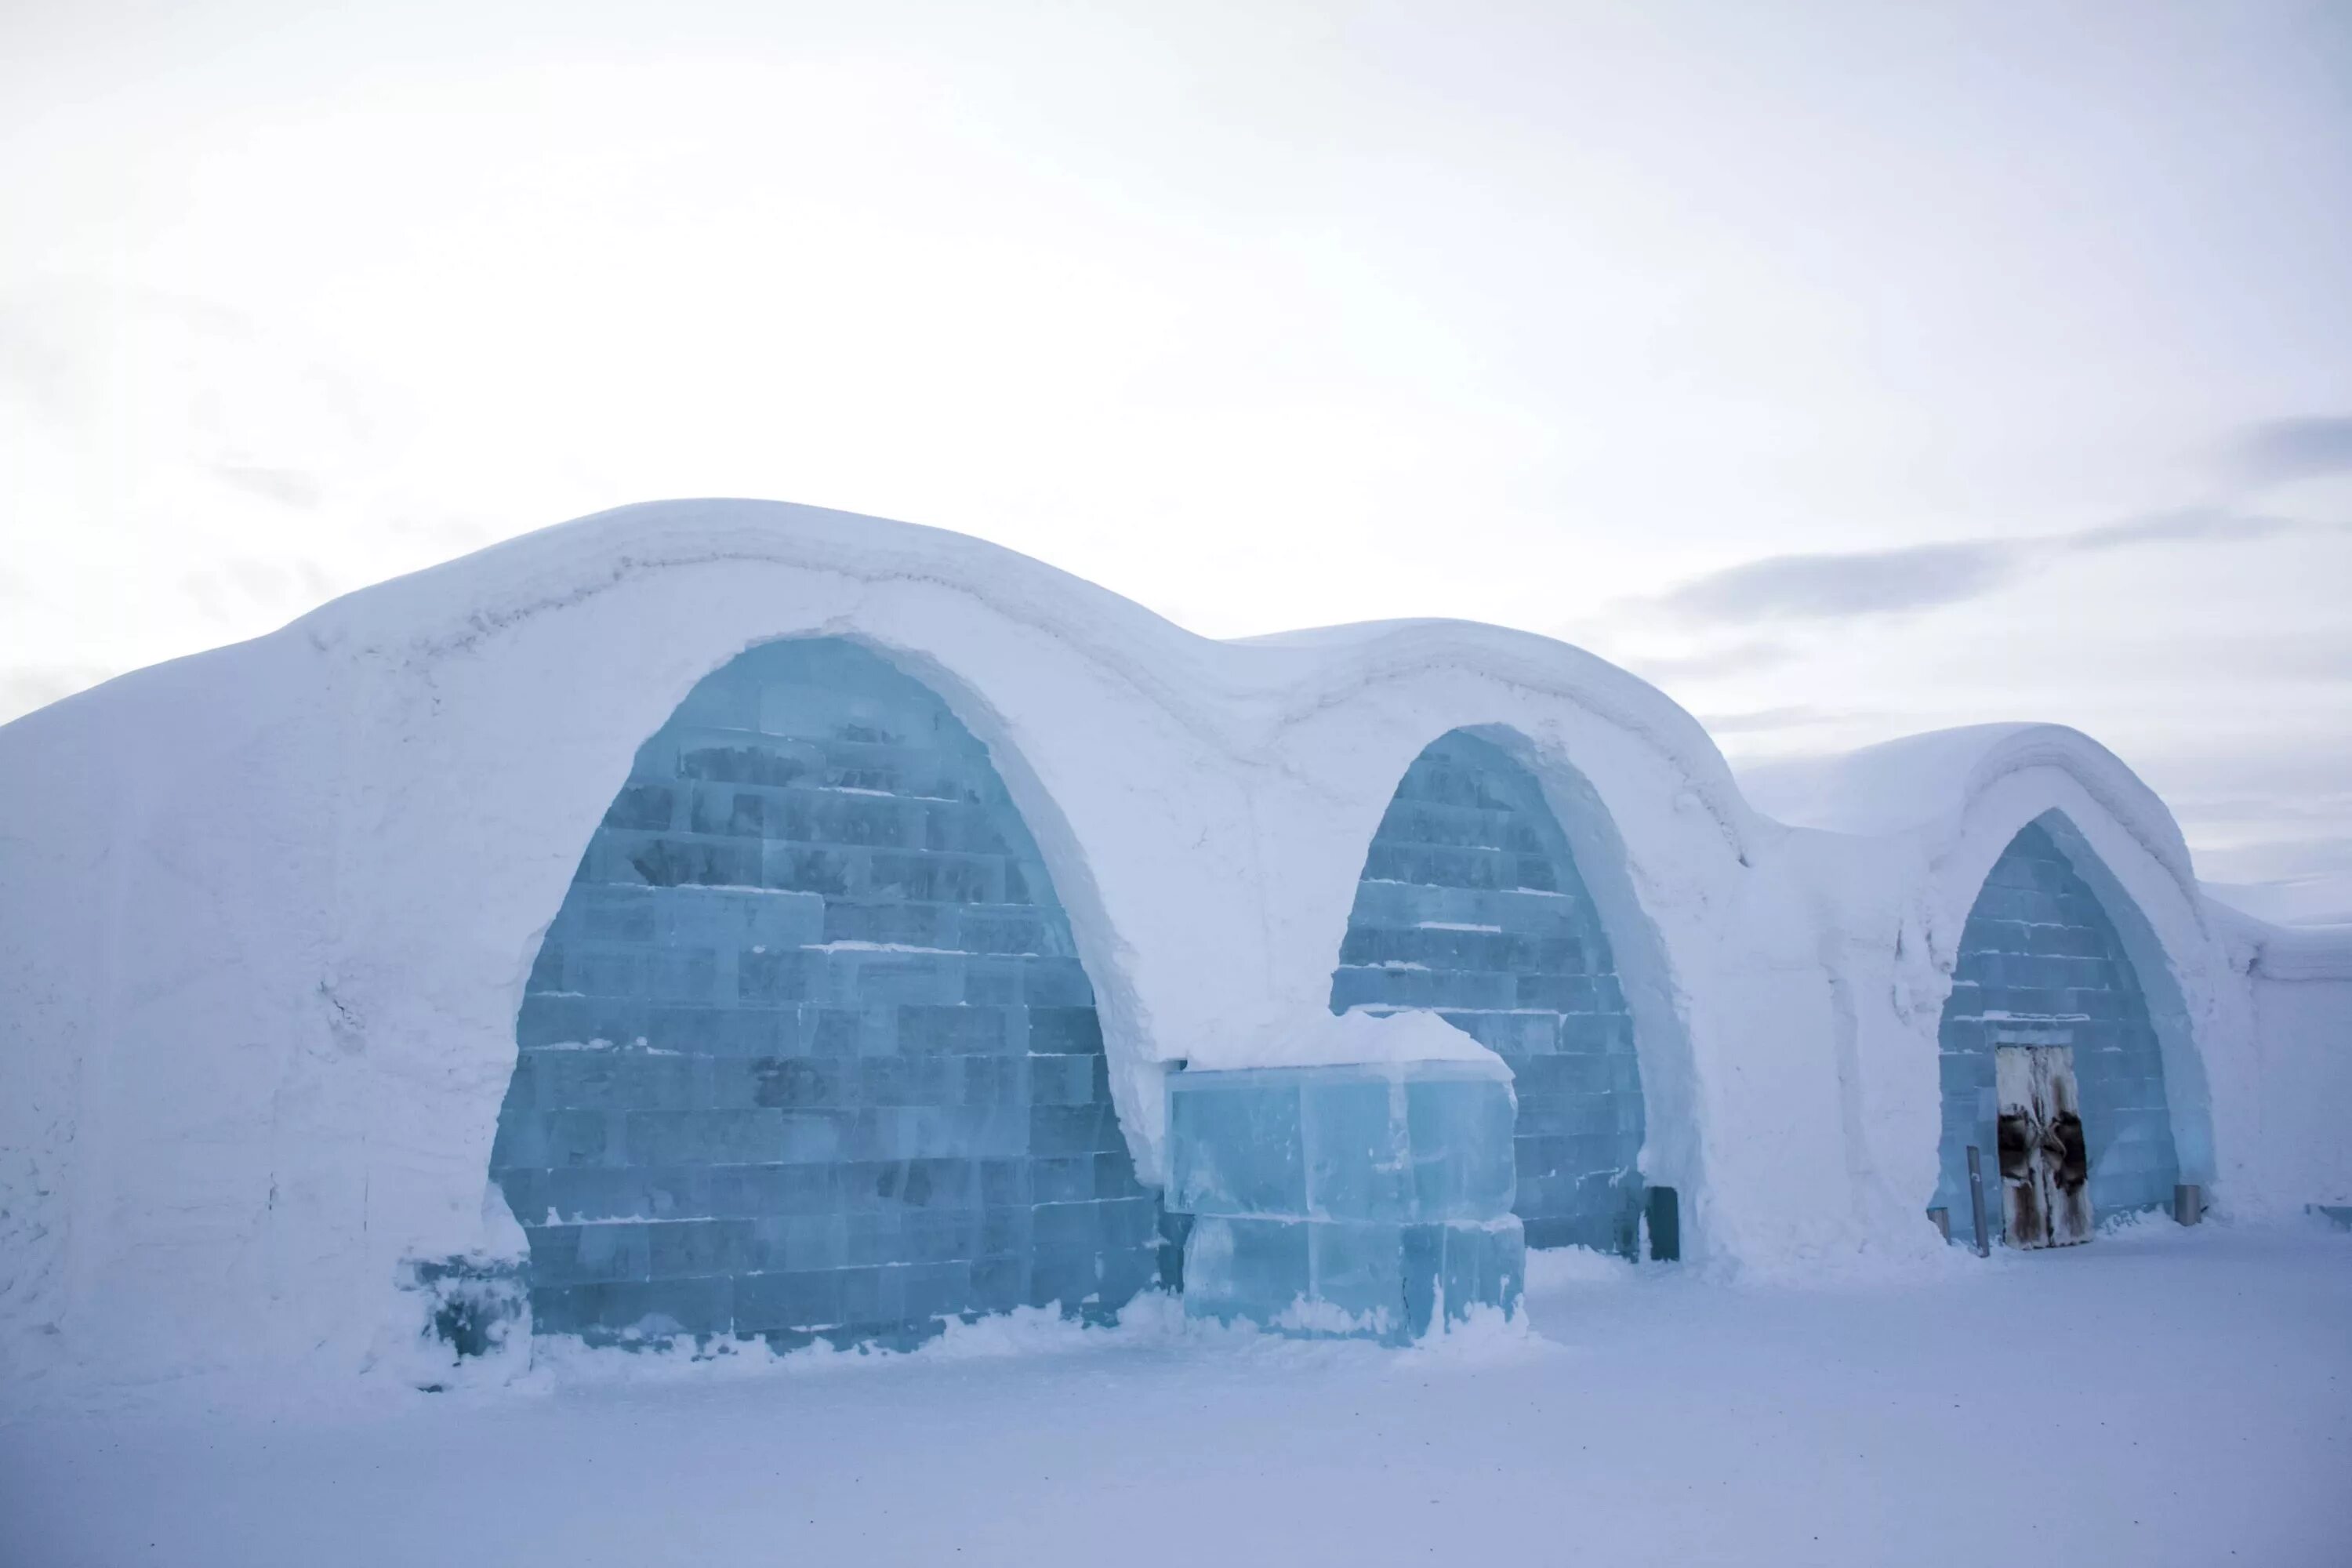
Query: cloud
x=229, y=592
x=1766, y=720
x=28, y=686
x=43, y=374
x=287, y=487
x=2188, y=525
x=2280, y=450
x=1733, y=659
x=1836, y=587
x=1859, y=583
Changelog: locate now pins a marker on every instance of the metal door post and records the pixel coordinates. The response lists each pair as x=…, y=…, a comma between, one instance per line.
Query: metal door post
x=1975, y=1199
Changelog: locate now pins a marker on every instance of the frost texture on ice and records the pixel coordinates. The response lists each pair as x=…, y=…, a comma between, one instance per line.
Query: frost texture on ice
x=808, y=1050
x=1471, y=906
x=1370, y=1201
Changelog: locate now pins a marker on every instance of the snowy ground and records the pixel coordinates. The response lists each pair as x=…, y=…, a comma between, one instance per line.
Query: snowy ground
x=2161, y=1397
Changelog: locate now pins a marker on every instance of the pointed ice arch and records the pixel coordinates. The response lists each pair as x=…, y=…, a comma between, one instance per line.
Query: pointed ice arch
x=2055, y=951
x=809, y=1049
x=1960, y=799
x=2042, y=964
x=1478, y=901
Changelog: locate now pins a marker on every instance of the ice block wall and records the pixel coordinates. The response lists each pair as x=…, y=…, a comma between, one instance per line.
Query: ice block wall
x=1369, y=1202
x=807, y=1050
x=2040, y=963
x=1471, y=905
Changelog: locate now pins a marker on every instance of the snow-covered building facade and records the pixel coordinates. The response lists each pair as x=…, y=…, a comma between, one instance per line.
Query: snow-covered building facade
x=731, y=919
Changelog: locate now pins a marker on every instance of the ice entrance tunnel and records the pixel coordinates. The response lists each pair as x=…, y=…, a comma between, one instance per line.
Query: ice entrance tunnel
x=2043, y=968
x=808, y=1051
x=1471, y=906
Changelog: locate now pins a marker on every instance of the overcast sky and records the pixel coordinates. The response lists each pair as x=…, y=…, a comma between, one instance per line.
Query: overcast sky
x=1848, y=370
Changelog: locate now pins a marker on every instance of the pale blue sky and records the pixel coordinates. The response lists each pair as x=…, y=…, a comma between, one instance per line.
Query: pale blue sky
x=1849, y=369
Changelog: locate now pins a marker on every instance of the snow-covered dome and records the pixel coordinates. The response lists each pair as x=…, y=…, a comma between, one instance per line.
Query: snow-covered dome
x=272, y=912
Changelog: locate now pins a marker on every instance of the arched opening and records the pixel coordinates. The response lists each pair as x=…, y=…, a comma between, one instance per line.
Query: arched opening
x=1471, y=905
x=808, y=1050
x=2049, y=1021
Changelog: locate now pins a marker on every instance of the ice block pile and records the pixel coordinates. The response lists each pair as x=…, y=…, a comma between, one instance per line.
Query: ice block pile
x=1360, y=1201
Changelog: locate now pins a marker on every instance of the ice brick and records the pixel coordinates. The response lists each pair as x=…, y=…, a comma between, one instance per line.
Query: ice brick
x=775, y=1071
x=1345, y=1201
x=1473, y=906
x=1236, y=1143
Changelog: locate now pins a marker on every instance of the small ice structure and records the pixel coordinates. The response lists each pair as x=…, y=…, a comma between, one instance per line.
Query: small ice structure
x=1367, y=1200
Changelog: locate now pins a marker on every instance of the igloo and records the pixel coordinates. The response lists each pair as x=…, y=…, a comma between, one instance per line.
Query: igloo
x=519, y=951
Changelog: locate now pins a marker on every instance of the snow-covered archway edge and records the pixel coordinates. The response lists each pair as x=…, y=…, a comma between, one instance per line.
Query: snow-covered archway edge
x=270, y=909
x=1901, y=837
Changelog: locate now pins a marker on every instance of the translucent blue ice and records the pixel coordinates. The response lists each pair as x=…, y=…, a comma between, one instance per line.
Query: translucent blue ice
x=2040, y=960
x=1471, y=905
x=808, y=1049
x=1346, y=1200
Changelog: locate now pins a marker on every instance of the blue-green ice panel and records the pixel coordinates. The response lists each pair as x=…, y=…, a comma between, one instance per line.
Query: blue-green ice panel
x=1472, y=905
x=807, y=1050
x=2040, y=959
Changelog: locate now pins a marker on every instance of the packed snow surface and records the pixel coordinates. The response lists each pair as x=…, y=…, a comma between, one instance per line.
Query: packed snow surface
x=2161, y=1397
x=1358, y=1038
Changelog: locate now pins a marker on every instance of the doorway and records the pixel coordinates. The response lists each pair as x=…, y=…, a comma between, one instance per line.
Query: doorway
x=2045, y=1167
